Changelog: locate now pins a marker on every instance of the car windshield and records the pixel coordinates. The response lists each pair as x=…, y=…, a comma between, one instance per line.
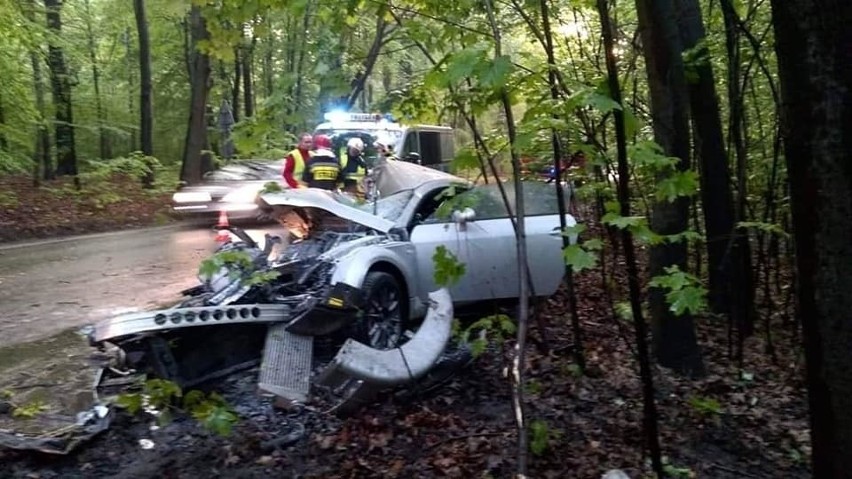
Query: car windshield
x=245, y=171
x=388, y=208
x=386, y=135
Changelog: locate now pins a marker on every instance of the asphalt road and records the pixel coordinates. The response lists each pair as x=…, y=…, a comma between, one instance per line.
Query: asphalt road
x=49, y=286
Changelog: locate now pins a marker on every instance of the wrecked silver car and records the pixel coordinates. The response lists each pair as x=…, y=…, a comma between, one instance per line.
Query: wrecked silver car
x=349, y=272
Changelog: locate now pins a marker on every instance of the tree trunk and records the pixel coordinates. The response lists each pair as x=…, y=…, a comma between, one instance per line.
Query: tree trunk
x=193, y=167
x=675, y=344
x=736, y=127
x=96, y=81
x=41, y=152
x=128, y=57
x=66, y=153
x=235, y=89
x=650, y=422
x=360, y=80
x=814, y=47
x=726, y=264
x=248, y=78
x=146, y=108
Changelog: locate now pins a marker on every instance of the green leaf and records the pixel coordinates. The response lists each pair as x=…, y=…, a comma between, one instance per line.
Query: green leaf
x=497, y=73
x=540, y=437
x=621, y=222
x=131, y=402
x=578, y=258
x=220, y=420
x=689, y=299
x=681, y=183
x=448, y=269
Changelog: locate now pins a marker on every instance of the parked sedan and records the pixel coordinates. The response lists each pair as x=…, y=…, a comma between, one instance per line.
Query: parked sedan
x=232, y=188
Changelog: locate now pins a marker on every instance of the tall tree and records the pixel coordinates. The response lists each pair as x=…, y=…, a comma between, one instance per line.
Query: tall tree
x=675, y=344
x=66, y=152
x=247, y=60
x=727, y=268
x=814, y=47
x=41, y=152
x=146, y=108
x=235, y=90
x=96, y=82
x=193, y=165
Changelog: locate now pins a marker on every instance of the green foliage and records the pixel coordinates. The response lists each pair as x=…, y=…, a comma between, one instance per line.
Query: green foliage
x=239, y=265
x=705, y=406
x=159, y=397
x=30, y=410
x=498, y=327
x=540, y=436
x=271, y=187
x=685, y=292
x=448, y=269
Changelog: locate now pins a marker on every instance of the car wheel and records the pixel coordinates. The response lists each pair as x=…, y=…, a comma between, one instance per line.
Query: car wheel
x=385, y=311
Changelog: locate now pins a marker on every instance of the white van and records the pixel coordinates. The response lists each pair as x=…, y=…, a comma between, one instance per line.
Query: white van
x=428, y=145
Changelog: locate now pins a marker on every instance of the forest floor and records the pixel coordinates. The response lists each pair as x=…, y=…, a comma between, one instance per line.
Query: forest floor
x=748, y=422
x=57, y=208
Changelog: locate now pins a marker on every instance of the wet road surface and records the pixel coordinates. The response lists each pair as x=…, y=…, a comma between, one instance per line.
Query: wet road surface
x=50, y=286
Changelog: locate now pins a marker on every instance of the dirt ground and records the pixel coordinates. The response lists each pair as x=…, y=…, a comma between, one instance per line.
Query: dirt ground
x=467, y=428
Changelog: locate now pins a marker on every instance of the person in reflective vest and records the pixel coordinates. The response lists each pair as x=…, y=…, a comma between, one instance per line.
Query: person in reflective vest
x=322, y=170
x=353, y=165
x=294, y=162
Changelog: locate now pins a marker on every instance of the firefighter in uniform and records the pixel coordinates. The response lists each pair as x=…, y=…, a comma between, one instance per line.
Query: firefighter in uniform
x=294, y=162
x=322, y=170
x=353, y=166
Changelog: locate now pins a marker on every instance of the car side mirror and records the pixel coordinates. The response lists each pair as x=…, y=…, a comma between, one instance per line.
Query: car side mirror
x=413, y=157
x=463, y=217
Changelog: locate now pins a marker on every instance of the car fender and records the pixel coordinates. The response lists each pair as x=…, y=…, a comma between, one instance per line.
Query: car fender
x=352, y=268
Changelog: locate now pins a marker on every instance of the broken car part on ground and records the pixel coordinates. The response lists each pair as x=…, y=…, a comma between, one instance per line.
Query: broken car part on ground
x=349, y=291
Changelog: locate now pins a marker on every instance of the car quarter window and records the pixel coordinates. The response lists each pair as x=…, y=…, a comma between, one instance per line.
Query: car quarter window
x=487, y=202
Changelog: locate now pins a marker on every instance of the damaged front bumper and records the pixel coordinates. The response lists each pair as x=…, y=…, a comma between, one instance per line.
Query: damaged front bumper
x=307, y=314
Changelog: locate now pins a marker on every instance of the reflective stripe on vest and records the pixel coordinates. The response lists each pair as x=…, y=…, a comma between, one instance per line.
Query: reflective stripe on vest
x=324, y=170
x=356, y=175
x=298, y=166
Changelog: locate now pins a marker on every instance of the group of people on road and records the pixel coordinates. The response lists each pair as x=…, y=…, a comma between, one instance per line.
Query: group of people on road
x=314, y=164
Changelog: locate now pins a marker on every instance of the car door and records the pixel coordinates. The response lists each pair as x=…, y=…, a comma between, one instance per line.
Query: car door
x=487, y=246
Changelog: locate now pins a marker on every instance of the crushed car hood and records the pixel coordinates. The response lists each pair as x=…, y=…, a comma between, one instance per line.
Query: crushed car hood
x=331, y=202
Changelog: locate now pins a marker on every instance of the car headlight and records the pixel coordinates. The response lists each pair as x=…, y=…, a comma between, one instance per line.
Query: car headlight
x=242, y=195
x=191, y=197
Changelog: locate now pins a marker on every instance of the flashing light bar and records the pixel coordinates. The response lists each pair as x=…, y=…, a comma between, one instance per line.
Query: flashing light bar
x=340, y=116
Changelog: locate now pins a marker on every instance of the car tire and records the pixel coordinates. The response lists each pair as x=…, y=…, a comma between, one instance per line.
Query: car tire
x=385, y=313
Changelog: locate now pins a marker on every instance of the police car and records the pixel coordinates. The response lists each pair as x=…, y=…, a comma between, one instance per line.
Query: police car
x=428, y=145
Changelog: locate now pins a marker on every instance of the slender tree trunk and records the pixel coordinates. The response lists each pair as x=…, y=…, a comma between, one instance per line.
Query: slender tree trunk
x=146, y=108
x=131, y=107
x=235, y=90
x=729, y=280
x=248, y=78
x=96, y=82
x=66, y=152
x=303, y=46
x=558, y=153
x=41, y=152
x=360, y=80
x=192, y=168
x=736, y=125
x=814, y=47
x=650, y=422
x=675, y=343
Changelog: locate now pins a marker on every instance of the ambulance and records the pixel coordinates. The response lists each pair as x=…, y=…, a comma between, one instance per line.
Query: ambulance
x=427, y=145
